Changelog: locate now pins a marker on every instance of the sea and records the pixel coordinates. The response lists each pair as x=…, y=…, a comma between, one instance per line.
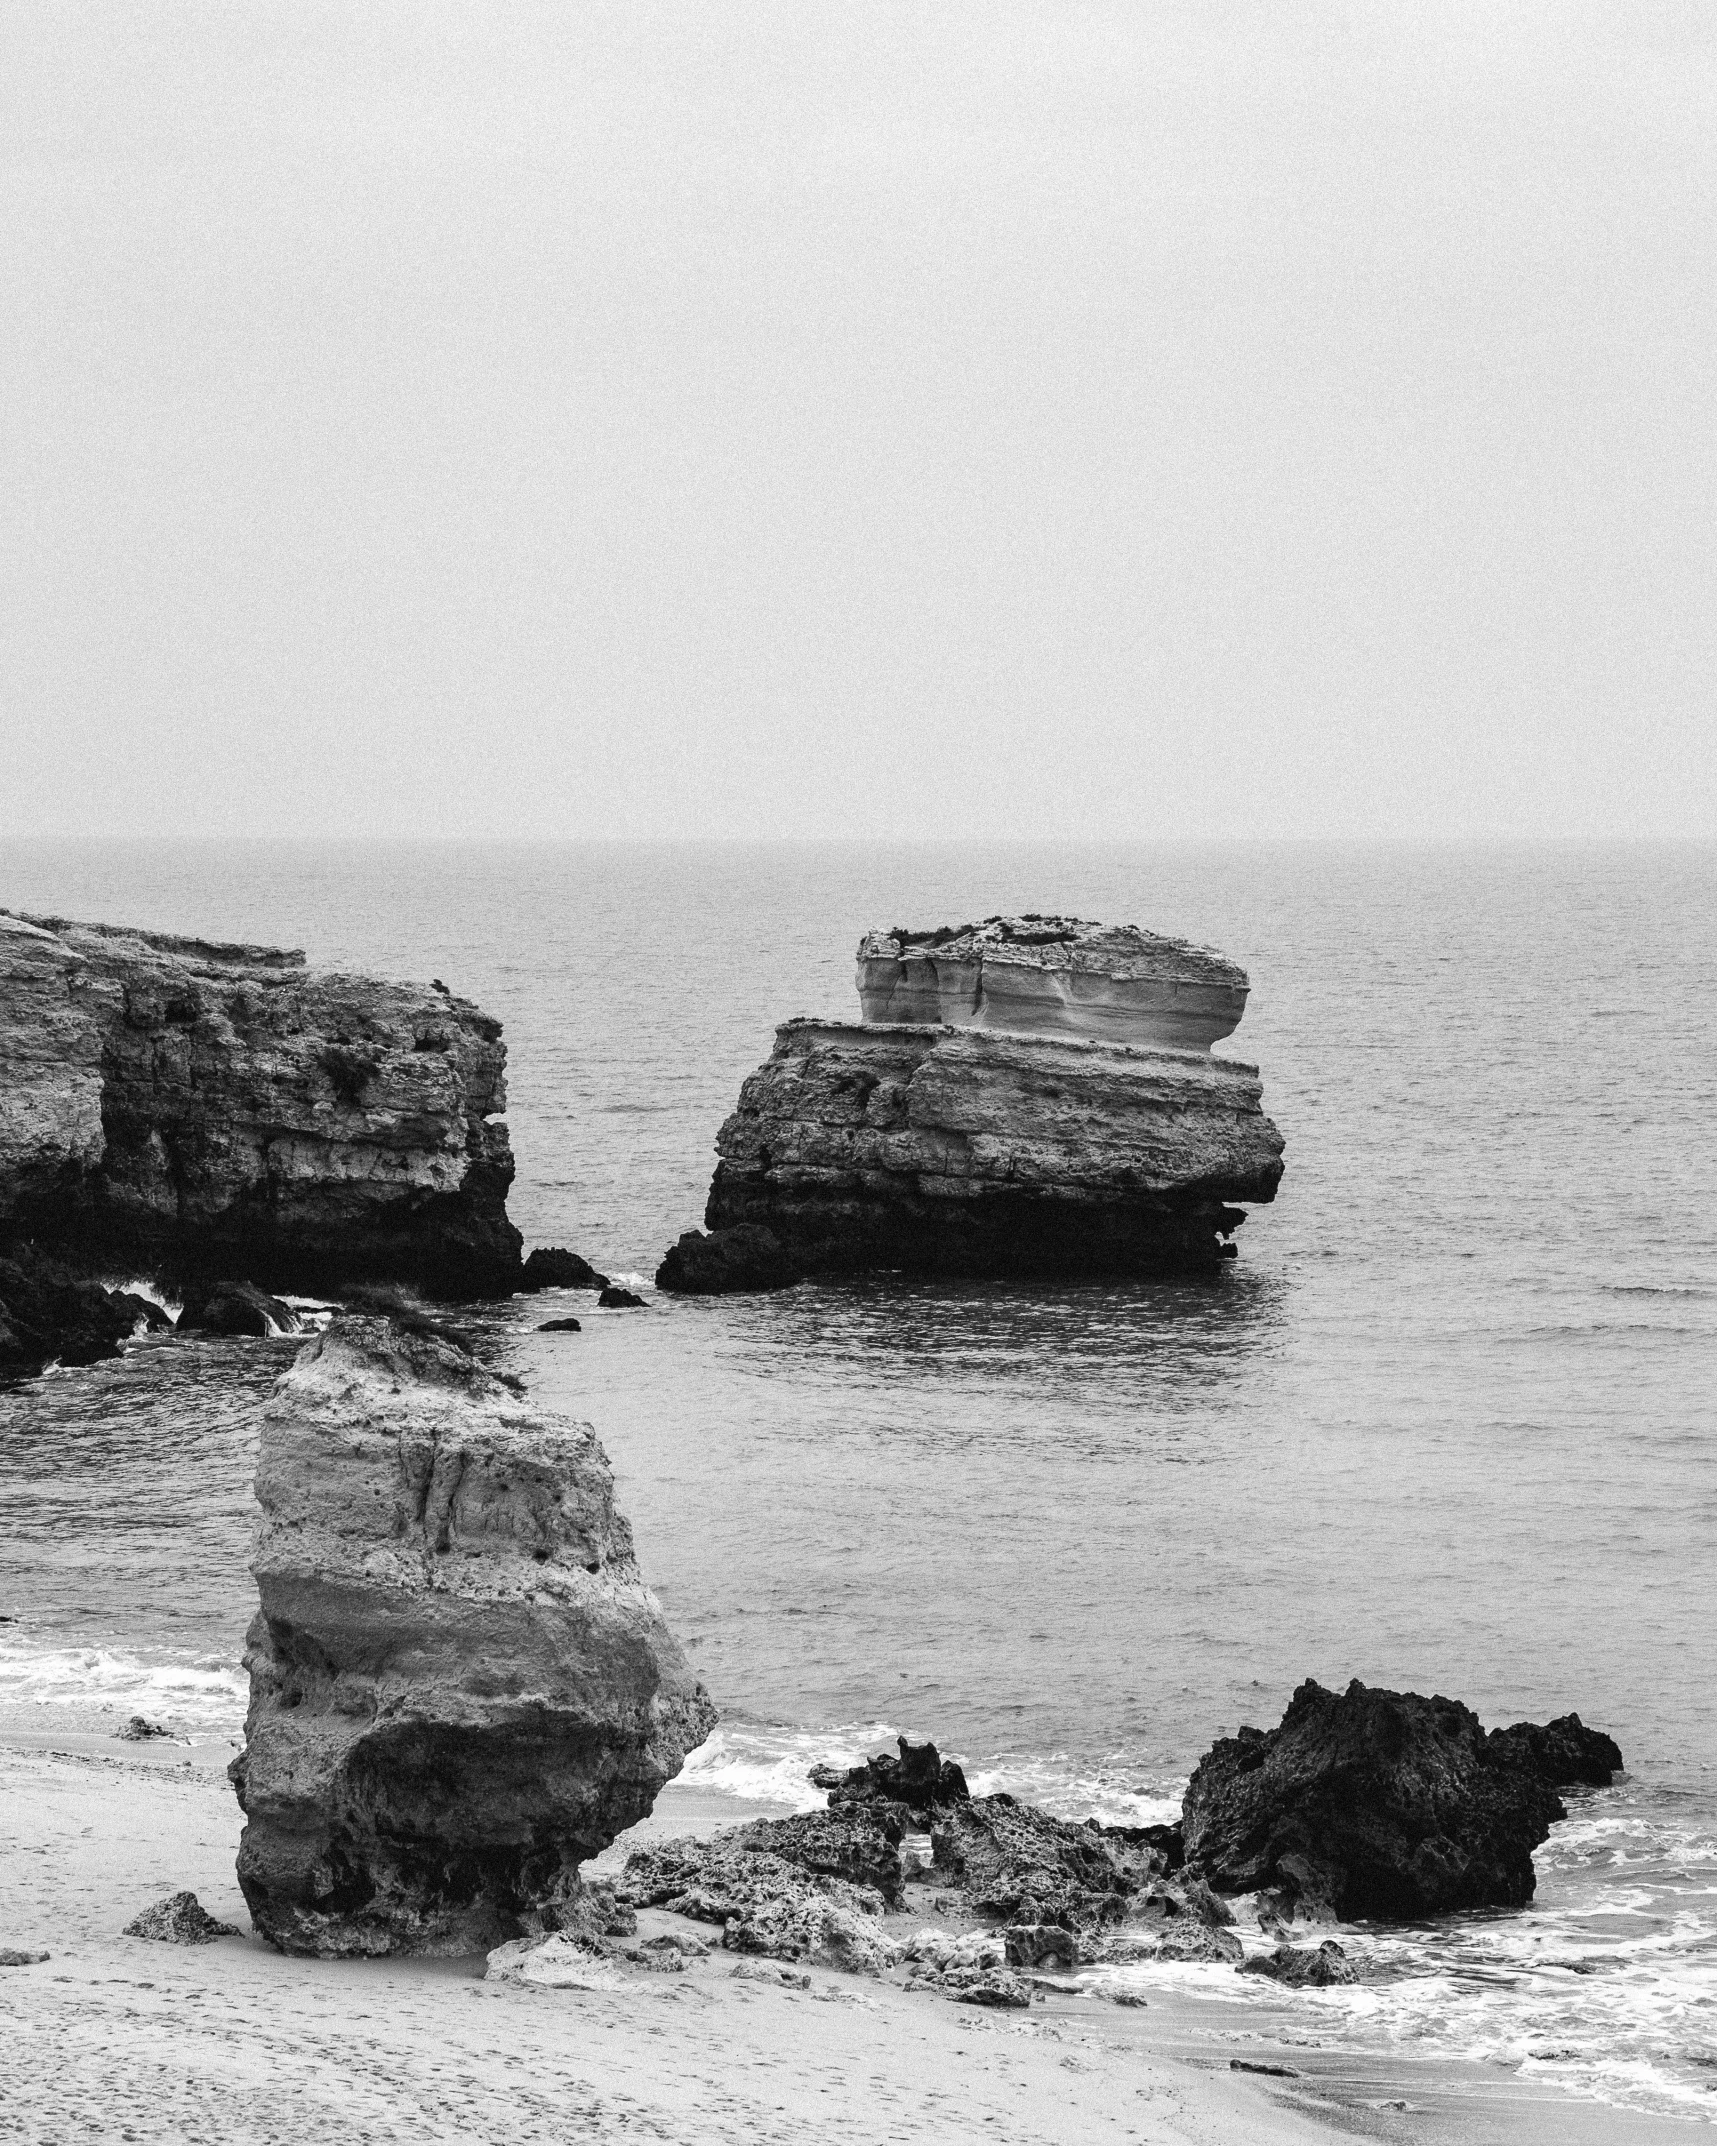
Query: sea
x=1445, y=1424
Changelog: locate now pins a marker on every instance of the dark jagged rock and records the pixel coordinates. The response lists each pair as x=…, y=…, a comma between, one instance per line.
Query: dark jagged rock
x=726, y=1262
x=139, y=1731
x=920, y=1780
x=1041, y=1944
x=549, y=1267
x=1302, y=1966
x=1373, y=1804
x=1018, y=1862
x=561, y=1326
x=235, y=1308
x=1563, y=1753
x=204, y=1110
x=614, y=1298
x=179, y=1920
x=460, y=1688
x=50, y=1314
x=833, y=1844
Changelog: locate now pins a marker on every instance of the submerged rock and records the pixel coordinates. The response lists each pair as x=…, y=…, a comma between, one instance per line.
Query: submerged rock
x=561, y=1326
x=179, y=1920
x=614, y=1298
x=236, y=1308
x=1053, y=976
x=1374, y=1804
x=747, y=1257
x=226, y=1110
x=1037, y=1120
x=460, y=1688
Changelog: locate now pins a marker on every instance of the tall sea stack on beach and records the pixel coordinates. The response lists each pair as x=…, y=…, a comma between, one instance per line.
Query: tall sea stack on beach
x=1029, y=1095
x=173, y=1105
x=461, y=1689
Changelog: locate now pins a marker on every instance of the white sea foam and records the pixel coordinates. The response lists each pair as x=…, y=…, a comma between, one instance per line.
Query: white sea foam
x=768, y=1764
x=203, y=1693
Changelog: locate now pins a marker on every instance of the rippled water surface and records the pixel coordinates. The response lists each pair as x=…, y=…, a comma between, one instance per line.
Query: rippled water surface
x=1446, y=1423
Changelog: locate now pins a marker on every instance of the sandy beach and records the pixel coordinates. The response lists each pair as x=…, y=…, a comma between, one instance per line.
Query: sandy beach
x=116, y=2037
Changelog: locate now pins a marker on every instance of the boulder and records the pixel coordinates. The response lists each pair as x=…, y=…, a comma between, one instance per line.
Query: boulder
x=1014, y=1860
x=832, y=1844
x=614, y=1298
x=727, y=1262
x=1025, y=1097
x=920, y=1781
x=49, y=1314
x=1372, y=1804
x=235, y=1308
x=461, y=1689
x=1302, y=1966
x=21, y=1956
x=737, y=1874
x=179, y=1920
x=179, y=1105
x=821, y=1931
x=548, y=1267
x=140, y=1730
x=561, y=1326
x=1053, y=975
x=1562, y=1754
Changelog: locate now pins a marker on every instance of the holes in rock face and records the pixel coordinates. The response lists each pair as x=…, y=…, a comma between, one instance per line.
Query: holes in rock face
x=539, y=1557
x=180, y=1012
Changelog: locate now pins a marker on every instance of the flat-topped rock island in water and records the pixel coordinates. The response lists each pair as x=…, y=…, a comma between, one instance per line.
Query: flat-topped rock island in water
x=231, y=1112
x=1032, y=1095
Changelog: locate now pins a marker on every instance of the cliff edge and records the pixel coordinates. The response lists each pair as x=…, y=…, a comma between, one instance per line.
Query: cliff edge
x=204, y=1109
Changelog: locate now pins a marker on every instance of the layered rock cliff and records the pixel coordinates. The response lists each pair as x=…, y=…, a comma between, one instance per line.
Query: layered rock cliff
x=1054, y=976
x=984, y=1148
x=461, y=1689
x=208, y=1109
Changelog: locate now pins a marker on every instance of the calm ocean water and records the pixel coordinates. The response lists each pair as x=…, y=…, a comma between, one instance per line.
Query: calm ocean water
x=1445, y=1424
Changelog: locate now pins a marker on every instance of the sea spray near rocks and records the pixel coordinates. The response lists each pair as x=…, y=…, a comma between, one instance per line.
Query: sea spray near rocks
x=461, y=1689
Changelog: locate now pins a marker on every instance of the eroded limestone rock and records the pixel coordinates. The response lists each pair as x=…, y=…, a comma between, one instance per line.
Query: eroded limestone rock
x=980, y=1152
x=1053, y=976
x=461, y=1689
x=228, y=1111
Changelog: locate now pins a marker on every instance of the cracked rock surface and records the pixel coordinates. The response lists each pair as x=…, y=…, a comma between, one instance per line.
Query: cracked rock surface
x=461, y=1689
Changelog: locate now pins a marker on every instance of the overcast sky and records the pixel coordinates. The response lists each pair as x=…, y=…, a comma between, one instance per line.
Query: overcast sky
x=1176, y=417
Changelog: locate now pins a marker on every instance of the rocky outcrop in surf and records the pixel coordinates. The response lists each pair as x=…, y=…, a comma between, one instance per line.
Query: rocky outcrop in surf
x=1024, y=1097
x=461, y=1689
x=203, y=1110
x=1383, y=1805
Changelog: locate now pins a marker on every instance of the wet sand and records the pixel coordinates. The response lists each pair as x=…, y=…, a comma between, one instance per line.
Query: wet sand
x=118, y=2037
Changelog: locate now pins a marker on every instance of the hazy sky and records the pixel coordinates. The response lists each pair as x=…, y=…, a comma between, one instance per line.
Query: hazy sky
x=1177, y=417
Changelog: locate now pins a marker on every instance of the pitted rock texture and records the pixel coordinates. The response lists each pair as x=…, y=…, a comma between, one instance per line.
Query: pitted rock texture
x=979, y=1152
x=461, y=1689
x=1053, y=976
x=1380, y=1805
x=228, y=1111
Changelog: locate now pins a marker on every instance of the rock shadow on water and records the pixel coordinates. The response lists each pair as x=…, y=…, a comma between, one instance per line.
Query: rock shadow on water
x=1152, y=1339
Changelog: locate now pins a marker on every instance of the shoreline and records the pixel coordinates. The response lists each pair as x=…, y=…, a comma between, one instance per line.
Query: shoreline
x=156, y=2040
